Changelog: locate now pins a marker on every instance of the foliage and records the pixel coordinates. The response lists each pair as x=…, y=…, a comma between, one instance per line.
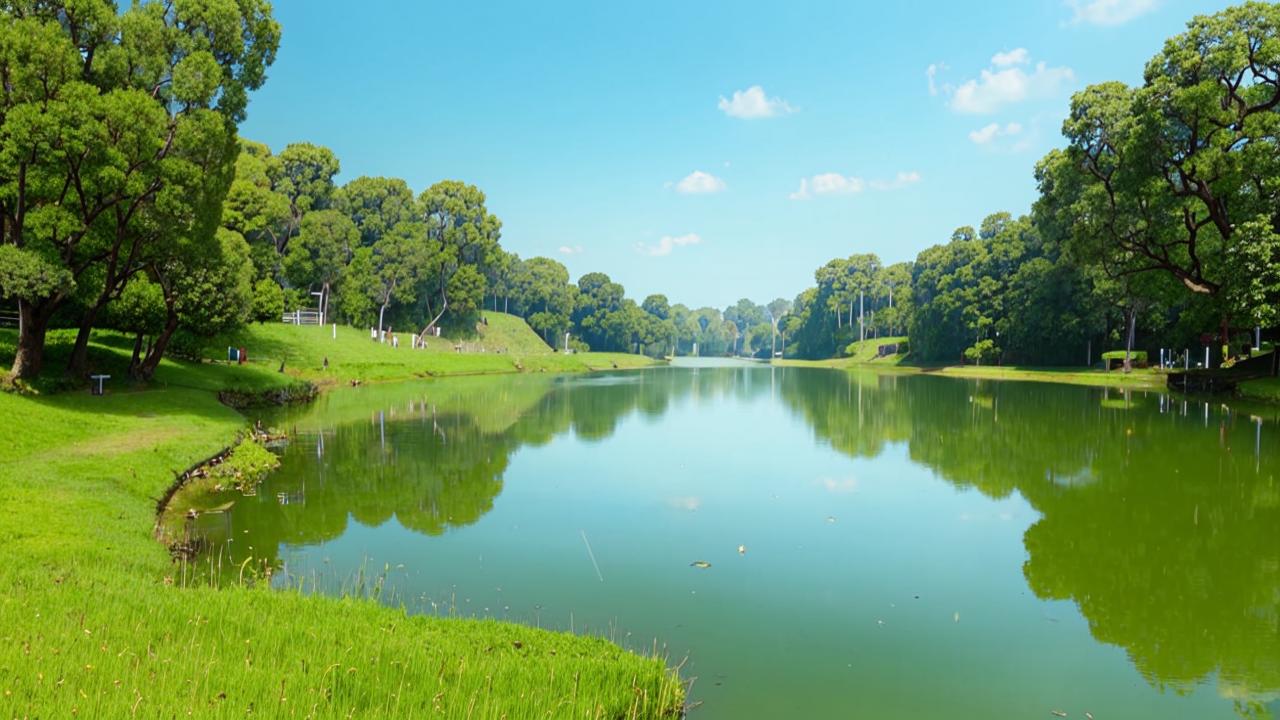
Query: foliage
x=136, y=110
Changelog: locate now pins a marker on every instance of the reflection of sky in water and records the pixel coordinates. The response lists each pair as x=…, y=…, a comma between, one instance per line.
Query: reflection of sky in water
x=909, y=551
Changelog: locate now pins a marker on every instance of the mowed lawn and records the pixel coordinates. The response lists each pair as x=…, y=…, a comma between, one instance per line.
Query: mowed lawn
x=96, y=622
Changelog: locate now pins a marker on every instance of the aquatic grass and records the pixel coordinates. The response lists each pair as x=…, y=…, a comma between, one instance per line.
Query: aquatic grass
x=96, y=621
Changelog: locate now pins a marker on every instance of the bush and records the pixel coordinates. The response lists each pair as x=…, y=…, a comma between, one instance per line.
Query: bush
x=268, y=301
x=984, y=352
x=1136, y=356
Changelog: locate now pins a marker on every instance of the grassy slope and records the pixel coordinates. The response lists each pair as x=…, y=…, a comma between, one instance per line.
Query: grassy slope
x=1264, y=389
x=90, y=625
x=864, y=357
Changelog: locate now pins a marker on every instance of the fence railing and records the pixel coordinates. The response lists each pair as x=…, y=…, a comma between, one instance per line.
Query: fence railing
x=8, y=319
x=303, y=317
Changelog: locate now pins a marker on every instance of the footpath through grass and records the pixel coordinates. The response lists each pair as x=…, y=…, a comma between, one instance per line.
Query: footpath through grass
x=94, y=621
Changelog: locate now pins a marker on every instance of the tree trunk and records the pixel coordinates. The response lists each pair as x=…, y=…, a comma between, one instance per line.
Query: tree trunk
x=444, y=308
x=78, y=363
x=1132, y=320
x=135, y=362
x=33, y=325
x=381, y=313
x=156, y=353
x=1226, y=335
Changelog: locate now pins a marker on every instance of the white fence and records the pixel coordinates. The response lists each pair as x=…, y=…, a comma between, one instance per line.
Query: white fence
x=8, y=319
x=303, y=317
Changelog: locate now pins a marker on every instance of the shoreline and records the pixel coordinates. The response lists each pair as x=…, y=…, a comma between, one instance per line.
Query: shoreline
x=90, y=550
x=1142, y=380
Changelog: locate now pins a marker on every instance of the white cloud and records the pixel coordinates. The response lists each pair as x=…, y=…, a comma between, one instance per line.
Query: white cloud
x=570, y=250
x=899, y=181
x=1020, y=56
x=997, y=87
x=1108, y=12
x=700, y=183
x=753, y=103
x=837, y=184
x=990, y=132
x=667, y=243
x=931, y=72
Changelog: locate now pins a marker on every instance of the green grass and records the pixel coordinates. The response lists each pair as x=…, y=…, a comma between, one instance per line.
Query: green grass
x=1139, y=378
x=868, y=351
x=505, y=345
x=1267, y=389
x=95, y=620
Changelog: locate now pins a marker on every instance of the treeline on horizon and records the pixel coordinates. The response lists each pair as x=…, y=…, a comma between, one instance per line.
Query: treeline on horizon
x=1156, y=226
x=128, y=202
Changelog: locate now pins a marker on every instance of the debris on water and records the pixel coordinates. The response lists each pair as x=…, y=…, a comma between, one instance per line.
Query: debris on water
x=1089, y=715
x=742, y=549
x=1058, y=713
x=700, y=564
x=831, y=518
x=956, y=617
x=879, y=622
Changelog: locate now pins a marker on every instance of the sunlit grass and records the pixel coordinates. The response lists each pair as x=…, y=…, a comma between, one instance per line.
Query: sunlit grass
x=95, y=620
x=1138, y=378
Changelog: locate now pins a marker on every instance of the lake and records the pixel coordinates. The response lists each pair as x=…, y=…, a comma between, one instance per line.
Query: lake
x=876, y=546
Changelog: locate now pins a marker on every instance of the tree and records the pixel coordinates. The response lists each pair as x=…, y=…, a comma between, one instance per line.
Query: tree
x=304, y=176
x=598, y=298
x=375, y=205
x=116, y=131
x=778, y=309
x=319, y=256
x=1180, y=175
x=657, y=306
x=139, y=310
x=206, y=291
x=467, y=235
x=543, y=296
x=396, y=263
x=256, y=209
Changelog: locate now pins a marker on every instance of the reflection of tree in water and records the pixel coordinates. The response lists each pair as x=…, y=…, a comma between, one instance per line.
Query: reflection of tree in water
x=1164, y=532
x=432, y=456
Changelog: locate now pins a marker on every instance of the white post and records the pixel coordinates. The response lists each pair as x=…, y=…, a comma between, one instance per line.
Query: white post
x=1186, y=359
x=1257, y=337
x=1206, y=357
x=335, y=331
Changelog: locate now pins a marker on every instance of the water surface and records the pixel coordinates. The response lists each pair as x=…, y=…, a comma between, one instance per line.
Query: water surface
x=914, y=546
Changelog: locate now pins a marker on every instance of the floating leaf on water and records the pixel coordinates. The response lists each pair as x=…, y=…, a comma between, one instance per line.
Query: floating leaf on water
x=742, y=549
x=701, y=564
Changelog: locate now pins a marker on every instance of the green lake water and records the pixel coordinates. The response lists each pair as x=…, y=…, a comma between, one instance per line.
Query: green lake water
x=915, y=546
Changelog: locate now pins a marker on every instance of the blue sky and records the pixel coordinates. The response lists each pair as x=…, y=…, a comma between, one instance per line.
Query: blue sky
x=705, y=150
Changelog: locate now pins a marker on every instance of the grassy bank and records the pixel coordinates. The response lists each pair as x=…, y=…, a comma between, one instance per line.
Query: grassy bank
x=504, y=345
x=1139, y=378
x=1266, y=389
x=94, y=621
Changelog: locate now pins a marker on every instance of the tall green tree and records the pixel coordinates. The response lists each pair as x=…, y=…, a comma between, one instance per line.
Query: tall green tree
x=375, y=205
x=467, y=235
x=320, y=254
x=117, y=131
x=1182, y=175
